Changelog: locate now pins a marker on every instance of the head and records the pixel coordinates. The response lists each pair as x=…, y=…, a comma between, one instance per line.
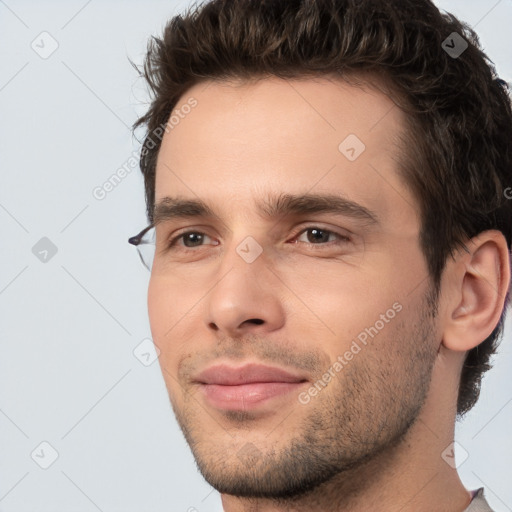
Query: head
x=266, y=111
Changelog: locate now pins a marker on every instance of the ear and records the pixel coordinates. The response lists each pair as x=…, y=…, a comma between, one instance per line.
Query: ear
x=476, y=287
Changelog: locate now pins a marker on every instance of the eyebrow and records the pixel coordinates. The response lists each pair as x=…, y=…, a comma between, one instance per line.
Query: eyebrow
x=274, y=206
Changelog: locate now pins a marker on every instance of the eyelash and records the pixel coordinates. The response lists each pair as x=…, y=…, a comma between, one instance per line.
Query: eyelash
x=342, y=239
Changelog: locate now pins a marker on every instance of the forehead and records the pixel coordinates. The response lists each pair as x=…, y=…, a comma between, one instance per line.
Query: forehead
x=318, y=135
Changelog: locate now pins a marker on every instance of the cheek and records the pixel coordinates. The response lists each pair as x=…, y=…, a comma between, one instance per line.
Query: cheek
x=171, y=312
x=327, y=309
x=155, y=300
x=159, y=300
x=160, y=313
x=345, y=305
x=167, y=301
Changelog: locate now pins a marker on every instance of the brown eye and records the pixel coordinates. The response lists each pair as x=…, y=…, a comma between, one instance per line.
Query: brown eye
x=191, y=239
x=319, y=236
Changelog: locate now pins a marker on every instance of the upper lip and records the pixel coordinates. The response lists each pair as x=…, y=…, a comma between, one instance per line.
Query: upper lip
x=232, y=376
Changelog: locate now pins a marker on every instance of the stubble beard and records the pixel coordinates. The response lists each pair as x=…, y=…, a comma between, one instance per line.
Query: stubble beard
x=359, y=418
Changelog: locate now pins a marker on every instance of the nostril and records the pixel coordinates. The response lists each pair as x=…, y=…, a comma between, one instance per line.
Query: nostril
x=257, y=321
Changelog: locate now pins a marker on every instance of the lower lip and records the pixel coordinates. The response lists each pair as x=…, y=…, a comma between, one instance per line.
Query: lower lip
x=246, y=396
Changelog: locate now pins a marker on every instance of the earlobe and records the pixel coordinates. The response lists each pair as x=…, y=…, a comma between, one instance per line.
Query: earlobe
x=479, y=288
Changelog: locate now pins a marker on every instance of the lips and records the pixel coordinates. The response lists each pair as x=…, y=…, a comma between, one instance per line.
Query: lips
x=246, y=387
x=233, y=376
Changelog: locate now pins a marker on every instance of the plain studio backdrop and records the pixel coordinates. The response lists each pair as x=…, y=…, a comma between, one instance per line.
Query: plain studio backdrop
x=85, y=420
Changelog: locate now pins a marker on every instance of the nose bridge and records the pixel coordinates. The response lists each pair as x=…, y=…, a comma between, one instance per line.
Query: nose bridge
x=243, y=260
x=244, y=244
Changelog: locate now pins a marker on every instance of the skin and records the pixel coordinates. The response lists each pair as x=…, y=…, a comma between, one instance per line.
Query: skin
x=373, y=438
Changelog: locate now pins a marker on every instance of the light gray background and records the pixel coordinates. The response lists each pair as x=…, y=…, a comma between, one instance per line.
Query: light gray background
x=68, y=327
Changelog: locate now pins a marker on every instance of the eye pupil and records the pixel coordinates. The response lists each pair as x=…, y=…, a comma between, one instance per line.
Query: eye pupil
x=192, y=237
x=324, y=235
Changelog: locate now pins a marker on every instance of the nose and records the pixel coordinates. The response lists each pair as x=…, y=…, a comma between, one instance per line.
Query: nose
x=249, y=297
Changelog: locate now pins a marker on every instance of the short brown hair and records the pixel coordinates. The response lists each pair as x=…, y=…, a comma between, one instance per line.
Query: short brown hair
x=458, y=161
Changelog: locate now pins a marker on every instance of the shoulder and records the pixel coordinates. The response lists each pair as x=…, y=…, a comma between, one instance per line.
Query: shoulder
x=478, y=503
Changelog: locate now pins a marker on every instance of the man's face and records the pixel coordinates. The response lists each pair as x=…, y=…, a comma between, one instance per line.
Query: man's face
x=300, y=290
